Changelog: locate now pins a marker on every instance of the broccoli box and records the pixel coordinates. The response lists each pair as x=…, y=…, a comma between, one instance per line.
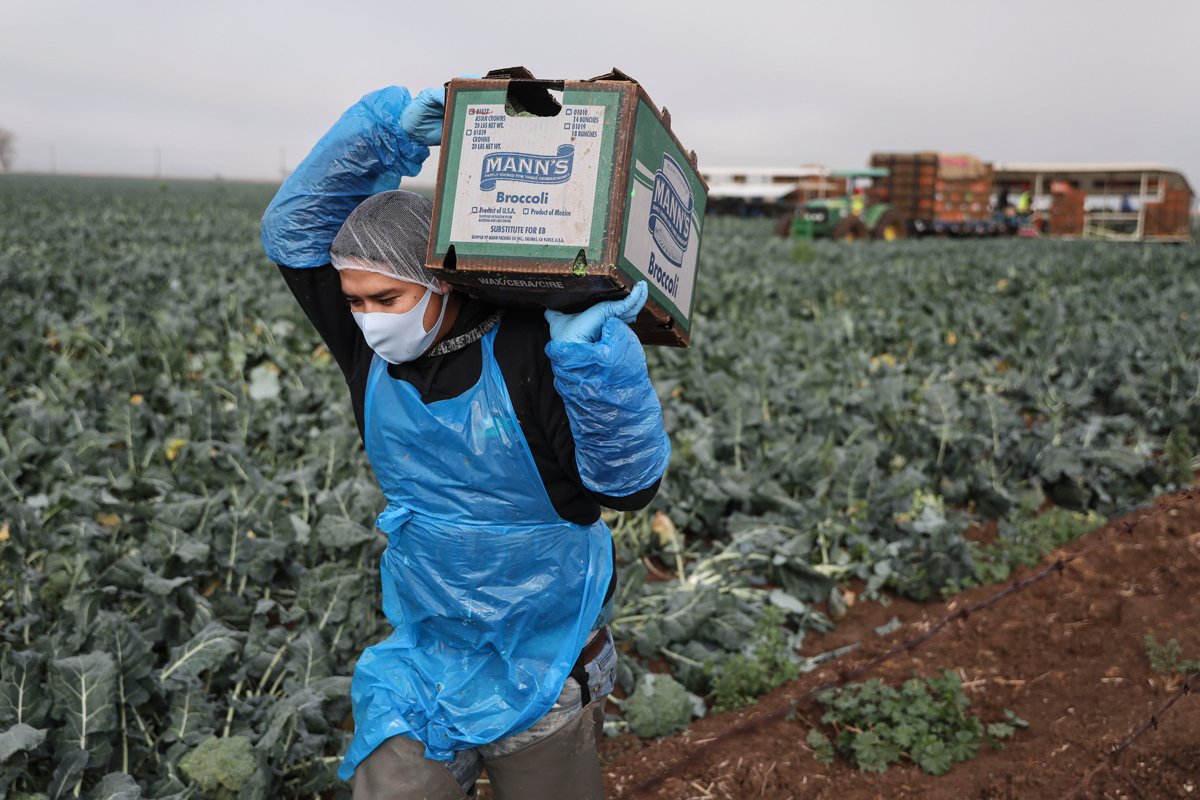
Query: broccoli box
x=565, y=193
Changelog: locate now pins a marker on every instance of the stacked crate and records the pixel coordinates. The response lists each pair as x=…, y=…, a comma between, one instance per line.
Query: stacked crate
x=1066, y=210
x=910, y=185
x=963, y=189
x=1170, y=217
x=935, y=186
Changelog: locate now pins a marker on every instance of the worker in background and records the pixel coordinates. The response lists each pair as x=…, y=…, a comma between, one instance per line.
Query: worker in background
x=1006, y=214
x=857, y=202
x=496, y=436
x=1002, y=199
x=1024, y=203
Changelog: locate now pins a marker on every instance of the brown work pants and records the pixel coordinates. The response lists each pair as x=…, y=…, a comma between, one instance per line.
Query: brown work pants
x=557, y=758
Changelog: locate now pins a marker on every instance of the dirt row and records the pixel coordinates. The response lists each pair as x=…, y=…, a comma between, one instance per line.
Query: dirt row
x=1067, y=654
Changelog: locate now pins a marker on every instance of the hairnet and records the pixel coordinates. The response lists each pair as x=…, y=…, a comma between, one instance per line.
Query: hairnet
x=387, y=233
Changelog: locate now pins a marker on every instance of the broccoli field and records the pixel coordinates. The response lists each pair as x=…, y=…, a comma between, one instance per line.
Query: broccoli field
x=188, y=564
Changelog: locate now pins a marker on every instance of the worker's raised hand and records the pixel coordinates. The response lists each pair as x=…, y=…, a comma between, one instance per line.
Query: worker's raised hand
x=586, y=326
x=422, y=118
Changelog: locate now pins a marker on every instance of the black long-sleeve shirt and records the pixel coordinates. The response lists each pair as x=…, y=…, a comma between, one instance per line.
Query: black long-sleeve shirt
x=520, y=353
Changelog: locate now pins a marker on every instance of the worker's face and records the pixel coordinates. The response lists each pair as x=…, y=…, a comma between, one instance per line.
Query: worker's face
x=370, y=292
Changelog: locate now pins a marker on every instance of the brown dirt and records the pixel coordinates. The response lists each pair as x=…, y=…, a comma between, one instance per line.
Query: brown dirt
x=1066, y=654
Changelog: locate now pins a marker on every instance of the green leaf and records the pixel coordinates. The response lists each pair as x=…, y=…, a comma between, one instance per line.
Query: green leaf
x=19, y=737
x=931, y=755
x=207, y=650
x=872, y=753
x=84, y=691
x=21, y=680
x=327, y=593
x=115, y=786
x=1014, y=720
x=184, y=514
x=1000, y=730
x=964, y=745
x=192, y=717
x=308, y=661
x=786, y=601
x=1057, y=463
x=163, y=586
x=821, y=746
x=132, y=654
x=338, y=533
x=69, y=766
x=300, y=708
x=904, y=735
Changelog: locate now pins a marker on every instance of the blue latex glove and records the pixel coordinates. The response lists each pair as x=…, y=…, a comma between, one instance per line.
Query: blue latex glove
x=585, y=327
x=365, y=152
x=612, y=409
x=422, y=119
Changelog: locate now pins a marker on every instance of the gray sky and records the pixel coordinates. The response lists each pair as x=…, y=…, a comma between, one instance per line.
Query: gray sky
x=222, y=87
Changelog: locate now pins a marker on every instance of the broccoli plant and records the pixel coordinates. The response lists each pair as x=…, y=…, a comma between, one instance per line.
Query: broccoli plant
x=767, y=663
x=658, y=706
x=226, y=768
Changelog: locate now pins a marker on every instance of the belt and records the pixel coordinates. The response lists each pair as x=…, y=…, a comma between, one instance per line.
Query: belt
x=595, y=645
x=593, y=648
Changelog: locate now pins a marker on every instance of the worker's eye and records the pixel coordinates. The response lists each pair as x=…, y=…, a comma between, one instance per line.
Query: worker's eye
x=354, y=302
x=387, y=302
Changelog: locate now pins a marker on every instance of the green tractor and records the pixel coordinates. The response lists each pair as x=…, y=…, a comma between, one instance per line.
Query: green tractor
x=849, y=218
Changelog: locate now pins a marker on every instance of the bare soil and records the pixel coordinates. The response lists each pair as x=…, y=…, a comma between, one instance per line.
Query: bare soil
x=1067, y=654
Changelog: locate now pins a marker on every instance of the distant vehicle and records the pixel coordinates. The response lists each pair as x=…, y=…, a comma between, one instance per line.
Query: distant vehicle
x=850, y=217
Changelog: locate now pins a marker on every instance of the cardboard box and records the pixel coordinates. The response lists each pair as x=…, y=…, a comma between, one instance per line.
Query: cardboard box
x=567, y=202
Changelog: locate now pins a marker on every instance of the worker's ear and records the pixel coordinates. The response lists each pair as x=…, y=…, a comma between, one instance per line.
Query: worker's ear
x=443, y=287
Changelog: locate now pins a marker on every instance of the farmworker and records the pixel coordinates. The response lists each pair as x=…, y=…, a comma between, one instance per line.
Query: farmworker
x=496, y=435
x=1002, y=199
x=857, y=202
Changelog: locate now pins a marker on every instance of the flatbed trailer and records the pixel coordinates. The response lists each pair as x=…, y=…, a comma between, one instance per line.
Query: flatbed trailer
x=1118, y=202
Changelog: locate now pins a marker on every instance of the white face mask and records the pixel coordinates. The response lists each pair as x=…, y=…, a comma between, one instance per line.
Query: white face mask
x=399, y=338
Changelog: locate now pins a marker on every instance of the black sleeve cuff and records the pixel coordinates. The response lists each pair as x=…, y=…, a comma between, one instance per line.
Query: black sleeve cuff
x=630, y=502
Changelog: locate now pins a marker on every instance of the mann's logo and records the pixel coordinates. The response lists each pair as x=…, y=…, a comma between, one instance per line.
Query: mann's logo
x=527, y=167
x=671, y=211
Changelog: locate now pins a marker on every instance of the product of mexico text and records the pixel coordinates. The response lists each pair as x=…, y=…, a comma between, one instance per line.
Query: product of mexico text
x=565, y=193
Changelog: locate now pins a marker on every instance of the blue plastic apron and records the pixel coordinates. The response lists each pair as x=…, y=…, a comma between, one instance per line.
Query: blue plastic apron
x=491, y=594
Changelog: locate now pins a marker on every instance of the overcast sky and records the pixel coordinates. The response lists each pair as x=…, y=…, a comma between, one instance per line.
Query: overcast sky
x=242, y=89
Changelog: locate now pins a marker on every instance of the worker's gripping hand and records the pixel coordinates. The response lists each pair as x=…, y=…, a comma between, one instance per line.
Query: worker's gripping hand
x=422, y=118
x=585, y=327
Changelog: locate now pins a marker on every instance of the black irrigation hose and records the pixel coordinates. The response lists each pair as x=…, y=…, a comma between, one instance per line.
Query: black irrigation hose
x=1111, y=758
